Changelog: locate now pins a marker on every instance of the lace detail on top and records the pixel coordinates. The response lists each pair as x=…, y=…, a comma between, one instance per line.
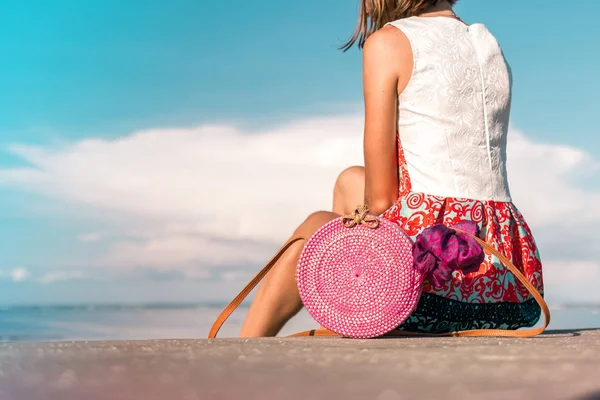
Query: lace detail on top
x=453, y=115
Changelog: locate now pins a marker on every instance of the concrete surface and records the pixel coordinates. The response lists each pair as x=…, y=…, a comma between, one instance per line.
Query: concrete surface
x=558, y=365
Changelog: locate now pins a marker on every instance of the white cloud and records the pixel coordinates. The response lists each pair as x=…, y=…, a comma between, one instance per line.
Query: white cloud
x=19, y=274
x=561, y=272
x=237, y=275
x=190, y=199
x=542, y=176
x=191, y=253
x=59, y=276
x=90, y=237
x=217, y=180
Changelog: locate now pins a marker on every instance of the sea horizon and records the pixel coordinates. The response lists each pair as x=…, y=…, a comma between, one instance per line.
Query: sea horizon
x=182, y=320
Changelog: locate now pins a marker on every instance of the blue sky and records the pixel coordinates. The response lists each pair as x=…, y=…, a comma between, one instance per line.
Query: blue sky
x=103, y=70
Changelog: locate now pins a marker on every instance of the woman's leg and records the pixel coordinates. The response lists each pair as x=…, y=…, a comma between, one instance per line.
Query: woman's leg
x=349, y=190
x=277, y=299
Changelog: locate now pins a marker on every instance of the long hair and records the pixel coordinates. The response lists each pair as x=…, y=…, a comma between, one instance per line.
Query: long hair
x=374, y=14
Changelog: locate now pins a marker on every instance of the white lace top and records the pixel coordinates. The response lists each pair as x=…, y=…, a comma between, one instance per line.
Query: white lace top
x=453, y=115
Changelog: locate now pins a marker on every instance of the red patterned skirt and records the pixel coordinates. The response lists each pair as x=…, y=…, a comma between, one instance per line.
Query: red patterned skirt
x=491, y=298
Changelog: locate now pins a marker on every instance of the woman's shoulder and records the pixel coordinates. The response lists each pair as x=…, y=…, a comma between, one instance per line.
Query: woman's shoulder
x=387, y=40
x=387, y=55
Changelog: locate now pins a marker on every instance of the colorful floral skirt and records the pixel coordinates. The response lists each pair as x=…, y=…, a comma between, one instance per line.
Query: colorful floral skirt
x=491, y=298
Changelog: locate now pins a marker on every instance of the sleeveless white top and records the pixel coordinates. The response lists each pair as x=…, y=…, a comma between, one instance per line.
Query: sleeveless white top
x=453, y=115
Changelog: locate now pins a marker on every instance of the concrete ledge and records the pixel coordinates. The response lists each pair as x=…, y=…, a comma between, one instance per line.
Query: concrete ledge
x=557, y=365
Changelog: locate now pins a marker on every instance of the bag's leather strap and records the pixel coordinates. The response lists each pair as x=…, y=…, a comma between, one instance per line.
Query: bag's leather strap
x=246, y=291
x=471, y=333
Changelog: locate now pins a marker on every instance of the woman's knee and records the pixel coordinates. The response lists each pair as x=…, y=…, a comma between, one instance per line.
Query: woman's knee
x=314, y=221
x=320, y=217
x=350, y=177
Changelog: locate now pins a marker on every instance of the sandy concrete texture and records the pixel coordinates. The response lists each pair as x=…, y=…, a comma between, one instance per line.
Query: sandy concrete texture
x=557, y=365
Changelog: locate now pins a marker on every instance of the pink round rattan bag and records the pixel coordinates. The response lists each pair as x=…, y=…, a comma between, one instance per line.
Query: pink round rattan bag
x=356, y=277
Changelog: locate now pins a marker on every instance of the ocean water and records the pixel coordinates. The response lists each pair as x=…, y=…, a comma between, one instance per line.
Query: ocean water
x=125, y=322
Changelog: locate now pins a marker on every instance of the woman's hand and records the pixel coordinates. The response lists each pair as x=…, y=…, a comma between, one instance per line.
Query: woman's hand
x=387, y=66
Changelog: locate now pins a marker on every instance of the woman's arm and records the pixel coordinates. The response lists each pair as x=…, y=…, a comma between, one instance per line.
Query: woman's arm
x=385, y=60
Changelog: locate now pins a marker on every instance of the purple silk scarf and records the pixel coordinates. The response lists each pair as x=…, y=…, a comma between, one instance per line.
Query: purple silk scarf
x=439, y=251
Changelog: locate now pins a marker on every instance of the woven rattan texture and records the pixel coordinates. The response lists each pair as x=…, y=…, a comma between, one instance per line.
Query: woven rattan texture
x=359, y=282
